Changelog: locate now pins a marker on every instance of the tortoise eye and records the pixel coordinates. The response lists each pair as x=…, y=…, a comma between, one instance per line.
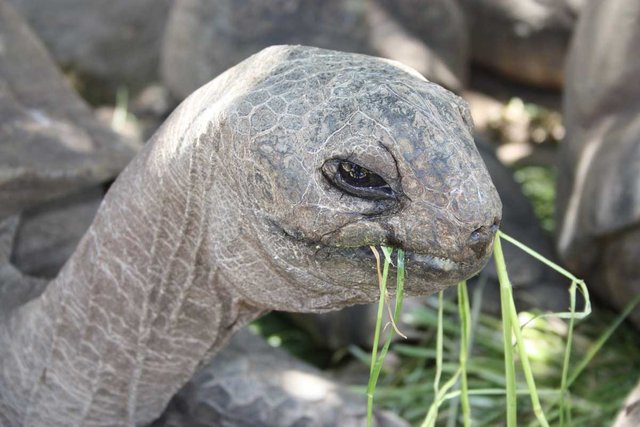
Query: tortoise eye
x=358, y=176
x=356, y=180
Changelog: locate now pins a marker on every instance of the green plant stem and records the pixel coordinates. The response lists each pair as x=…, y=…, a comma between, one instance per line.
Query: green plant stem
x=432, y=413
x=376, y=337
x=439, y=343
x=376, y=362
x=537, y=256
x=581, y=284
x=430, y=419
x=399, y=285
x=564, y=408
x=465, y=313
x=505, y=297
x=526, y=367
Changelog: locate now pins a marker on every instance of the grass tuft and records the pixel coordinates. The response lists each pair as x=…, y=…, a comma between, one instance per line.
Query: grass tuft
x=377, y=360
x=535, y=384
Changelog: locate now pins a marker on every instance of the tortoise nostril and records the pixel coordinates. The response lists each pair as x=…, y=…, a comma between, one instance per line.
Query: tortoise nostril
x=496, y=225
x=481, y=237
x=478, y=233
x=494, y=228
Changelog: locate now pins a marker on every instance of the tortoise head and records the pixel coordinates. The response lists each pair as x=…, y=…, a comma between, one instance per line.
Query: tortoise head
x=339, y=152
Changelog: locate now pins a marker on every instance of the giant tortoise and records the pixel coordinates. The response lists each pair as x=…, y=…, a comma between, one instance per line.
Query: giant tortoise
x=262, y=191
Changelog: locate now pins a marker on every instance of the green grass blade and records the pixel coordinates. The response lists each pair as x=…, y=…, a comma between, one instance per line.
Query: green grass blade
x=565, y=410
x=582, y=285
x=399, y=285
x=432, y=415
x=465, y=324
x=602, y=339
x=376, y=338
x=439, y=343
x=377, y=360
x=537, y=256
x=526, y=367
x=505, y=297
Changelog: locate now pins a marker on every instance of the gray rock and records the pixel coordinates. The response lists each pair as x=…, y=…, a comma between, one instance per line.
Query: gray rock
x=598, y=233
x=204, y=38
x=250, y=383
x=113, y=42
x=15, y=287
x=50, y=144
x=525, y=40
x=430, y=36
x=49, y=233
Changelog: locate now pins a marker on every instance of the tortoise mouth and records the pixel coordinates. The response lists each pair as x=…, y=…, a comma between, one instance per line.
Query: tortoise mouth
x=425, y=273
x=418, y=261
x=357, y=264
x=435, y=262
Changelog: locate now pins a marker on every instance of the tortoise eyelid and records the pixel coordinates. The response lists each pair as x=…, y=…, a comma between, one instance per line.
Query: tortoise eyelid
x=357, y=180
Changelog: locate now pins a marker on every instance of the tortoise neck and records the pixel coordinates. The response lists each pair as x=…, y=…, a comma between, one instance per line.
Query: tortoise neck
x=137, y=308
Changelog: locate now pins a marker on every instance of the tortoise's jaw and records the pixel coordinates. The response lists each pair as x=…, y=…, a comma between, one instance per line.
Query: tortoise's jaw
x=426, y=273
x=435, y=262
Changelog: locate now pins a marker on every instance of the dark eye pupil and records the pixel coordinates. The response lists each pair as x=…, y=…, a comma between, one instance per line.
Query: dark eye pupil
x=358, y=176
x=354, y=171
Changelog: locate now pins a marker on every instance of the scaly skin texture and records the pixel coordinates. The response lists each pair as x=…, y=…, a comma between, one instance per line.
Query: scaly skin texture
x=227, y=214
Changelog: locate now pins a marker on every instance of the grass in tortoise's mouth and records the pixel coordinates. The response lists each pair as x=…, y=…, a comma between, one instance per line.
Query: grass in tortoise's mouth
x=425, y=260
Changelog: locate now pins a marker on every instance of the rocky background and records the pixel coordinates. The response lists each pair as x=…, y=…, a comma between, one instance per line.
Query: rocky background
x=554, y=93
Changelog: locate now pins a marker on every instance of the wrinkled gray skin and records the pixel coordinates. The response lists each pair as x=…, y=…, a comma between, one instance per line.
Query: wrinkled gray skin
x=248, y=382
x=227, y=213
x=598, y=233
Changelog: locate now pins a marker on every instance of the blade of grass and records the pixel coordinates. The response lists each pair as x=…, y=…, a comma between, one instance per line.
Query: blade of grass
x=430, y=419
x=601, y=340
x=382, y=281
x=439, y=343
x=376, y=361
x=582, y=285
x=465, y=324
x=393, y=317
x=474, y=319
x=399, y=288
x=439, y=393
x=537, y=256
x=506, y=298
x=509, y=367
x=526, y=367
x=564, y=408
